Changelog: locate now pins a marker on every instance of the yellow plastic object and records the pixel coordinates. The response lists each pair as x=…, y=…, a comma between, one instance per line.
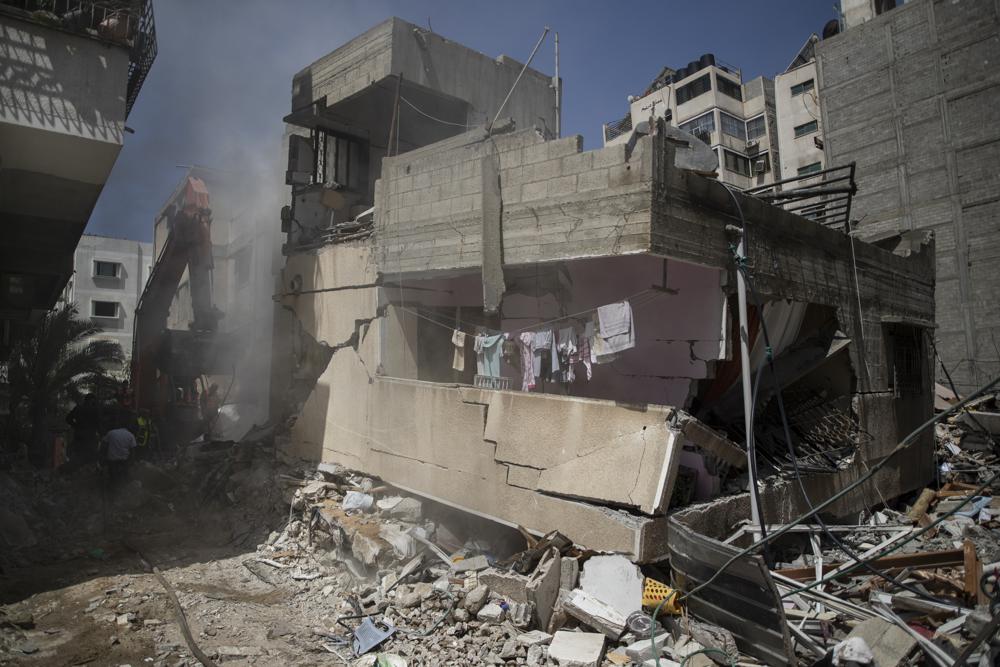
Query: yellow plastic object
x=655, y=592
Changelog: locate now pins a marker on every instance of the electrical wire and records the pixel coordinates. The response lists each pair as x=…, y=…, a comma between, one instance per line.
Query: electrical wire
x=427, y=115
x=769, y=360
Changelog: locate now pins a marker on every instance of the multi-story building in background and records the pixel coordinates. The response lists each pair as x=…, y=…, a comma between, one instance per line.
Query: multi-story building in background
x=911, y=94
x=70, y=73
x=109, y=275
x=709, y=99
x=800, y=128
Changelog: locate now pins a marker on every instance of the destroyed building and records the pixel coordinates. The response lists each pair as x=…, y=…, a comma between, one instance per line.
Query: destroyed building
x=485, y=228
x=909, y=93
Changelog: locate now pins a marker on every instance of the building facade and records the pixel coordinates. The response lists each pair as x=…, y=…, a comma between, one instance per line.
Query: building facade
x=800, y=127
x=912, y=95
x=708, y=99
x=507, y=237
x=109, y=275
x=71, y=73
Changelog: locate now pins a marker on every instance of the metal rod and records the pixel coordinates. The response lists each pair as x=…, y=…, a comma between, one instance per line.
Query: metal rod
x=741, y=291
x=804, y=176
x=805, y=192
x=519, y=75
x=558, y=86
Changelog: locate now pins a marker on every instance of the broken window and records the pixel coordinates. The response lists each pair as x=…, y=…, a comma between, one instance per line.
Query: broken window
x=699, y=86
x=730, y=88
x=702, y=127
x=737, y=163
x=339, y=161
x=803, y=87
x=756, y=127
x=806, y=128
x=733, y=126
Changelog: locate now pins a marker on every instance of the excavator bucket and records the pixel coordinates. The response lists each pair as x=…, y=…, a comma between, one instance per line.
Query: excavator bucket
x=195, y=193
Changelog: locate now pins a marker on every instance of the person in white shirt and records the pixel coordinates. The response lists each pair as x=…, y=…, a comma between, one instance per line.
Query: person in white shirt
x=116, y=447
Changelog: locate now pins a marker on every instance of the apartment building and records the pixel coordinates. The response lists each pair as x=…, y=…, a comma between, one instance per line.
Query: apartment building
x=71, y=73
x=414, y=334
x=109, y=275
x=709, y=99
x=800, y=126
x=911, y=94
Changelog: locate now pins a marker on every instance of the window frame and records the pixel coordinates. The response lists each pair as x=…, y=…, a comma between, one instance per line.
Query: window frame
x=681, y=91
x=95, y=271
x=808, y=169
x=725, y=161
x=803, y=87
x=763, y=119
x=721, y=82
x=813, y=126
x=93, y=309
x=723, y=116
x=694, y=124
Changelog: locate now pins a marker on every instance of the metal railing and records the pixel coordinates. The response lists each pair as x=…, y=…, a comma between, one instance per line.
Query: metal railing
x=617, y=128
x=823, y=196
x=128, y=23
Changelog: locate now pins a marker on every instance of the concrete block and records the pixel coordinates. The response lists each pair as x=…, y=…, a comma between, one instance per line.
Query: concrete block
x=611, y=155
x=592, y=180
x=614, y=580
x=475, y=599
x=535, y=153
x=890, y=644
x=578, y=163
x=545, y=170
x=564, y=185
x=577, y=649
x=587, y=609
x=543, y=587
x=642, y=650
x=565, y=146
x=569, y=573
x=534, y=191
x=491, y=613
x=510, y=585
x=534, y=638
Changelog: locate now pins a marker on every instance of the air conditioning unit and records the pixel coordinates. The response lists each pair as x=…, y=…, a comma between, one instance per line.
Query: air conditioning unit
x=760, y=166
x=753, y=146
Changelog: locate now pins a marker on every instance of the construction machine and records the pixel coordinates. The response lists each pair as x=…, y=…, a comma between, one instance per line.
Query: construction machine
x=168, y=365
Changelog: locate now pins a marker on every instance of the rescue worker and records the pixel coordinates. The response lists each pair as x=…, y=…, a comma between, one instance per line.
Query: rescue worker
x=148, y=438
x=116, y=449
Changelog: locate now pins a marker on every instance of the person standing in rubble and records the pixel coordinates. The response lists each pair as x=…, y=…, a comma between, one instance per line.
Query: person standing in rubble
x=85, y=419
x=116, y=449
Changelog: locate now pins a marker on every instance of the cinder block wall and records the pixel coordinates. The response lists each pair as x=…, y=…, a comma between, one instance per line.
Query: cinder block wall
x=558, y=202
x=913, y=96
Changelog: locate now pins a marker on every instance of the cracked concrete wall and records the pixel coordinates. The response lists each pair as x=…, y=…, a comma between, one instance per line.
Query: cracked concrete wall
x=544, y=462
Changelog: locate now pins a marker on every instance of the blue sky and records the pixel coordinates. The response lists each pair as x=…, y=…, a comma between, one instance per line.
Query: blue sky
x=222, y=79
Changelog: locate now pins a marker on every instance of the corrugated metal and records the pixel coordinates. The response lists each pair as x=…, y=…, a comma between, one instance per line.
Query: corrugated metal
x=743, y=600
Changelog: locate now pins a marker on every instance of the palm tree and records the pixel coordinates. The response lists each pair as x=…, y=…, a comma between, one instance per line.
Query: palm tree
x=53, y=364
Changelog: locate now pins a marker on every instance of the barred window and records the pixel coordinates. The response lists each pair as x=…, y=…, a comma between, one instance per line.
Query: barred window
x=756, y=127
x=701, y=127
x=733, y=126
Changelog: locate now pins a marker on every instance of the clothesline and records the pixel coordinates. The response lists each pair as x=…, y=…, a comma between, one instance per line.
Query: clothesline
x=454, y=326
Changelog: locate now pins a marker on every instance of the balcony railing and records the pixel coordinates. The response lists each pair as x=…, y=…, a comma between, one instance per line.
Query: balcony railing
x=125, y=22
x=617, y=128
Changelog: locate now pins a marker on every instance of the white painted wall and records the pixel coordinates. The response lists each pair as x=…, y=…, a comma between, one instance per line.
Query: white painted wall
x=795, y=111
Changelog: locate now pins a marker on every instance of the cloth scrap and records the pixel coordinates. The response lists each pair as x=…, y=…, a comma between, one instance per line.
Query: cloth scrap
x=458, y=340
x=527, y=340
x=616, y=329
x=488, y=351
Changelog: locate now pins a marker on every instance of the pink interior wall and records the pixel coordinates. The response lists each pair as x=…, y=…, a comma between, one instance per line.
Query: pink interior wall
x=677, y=335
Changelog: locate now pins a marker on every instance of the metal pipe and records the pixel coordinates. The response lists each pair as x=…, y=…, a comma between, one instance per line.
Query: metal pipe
x=558, y=86
x=519, y=75
x=802, y=177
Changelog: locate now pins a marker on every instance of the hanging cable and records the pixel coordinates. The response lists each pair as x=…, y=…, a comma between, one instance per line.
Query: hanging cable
x=427, y=115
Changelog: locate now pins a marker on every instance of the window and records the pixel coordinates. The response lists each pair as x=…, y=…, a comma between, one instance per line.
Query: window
x=806, y=128
x=339, y=160
x=810, y=169
x=105, y=269
x=702, y=127
x=243, y=259
x=756, y=127
x=737, y=163
x=699, y=86
x=727, y=87
x=803, y=87
x=733, y=126
x=104, y=309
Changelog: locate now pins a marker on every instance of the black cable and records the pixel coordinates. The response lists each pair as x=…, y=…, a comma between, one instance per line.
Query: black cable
x=769, y=359
x=798, y=475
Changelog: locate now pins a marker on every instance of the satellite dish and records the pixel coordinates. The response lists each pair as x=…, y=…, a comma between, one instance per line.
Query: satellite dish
x=690, y=152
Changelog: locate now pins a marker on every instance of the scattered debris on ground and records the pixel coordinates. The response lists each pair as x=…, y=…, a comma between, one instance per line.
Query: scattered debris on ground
x=273, y=563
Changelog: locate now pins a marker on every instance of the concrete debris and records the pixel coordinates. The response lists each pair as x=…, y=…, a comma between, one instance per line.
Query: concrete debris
x=577, y=649
x=593, y=612
x=491, y=613
x=878, y=642
x=614, y=580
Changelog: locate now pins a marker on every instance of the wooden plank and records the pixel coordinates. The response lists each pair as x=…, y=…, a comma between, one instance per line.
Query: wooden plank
x=926, y=559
